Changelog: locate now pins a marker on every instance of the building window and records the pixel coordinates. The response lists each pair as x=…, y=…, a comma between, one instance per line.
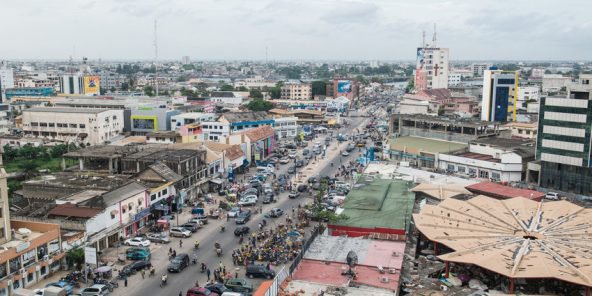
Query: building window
x=450, y=168
x=73, y=125
x=472, y=172
x=51, y=124
x=123, y=210
x=34, y=124
x=30, y=277
x=495, y=176
x=484, y=174
x=165, y=191
x=82, y=125
x=152, y=197
x=460, y=169
x=43, y=124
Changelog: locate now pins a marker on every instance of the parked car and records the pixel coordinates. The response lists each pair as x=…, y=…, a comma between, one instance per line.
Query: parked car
x=136, y=266
x=95, y=290
x=137, y=242
x=308, y=156
x=191, y=226
x=137, y=253
x=344, y=153
x=291, y=170
x=61, y=284
x=276, y=212
x=241, y=230
x=305, y=152
x=250, y=200
x=160, y=238
x=217, y=288
x=294, y=194
x=299, y=163
x=302, y=188
x=259, y=271
x=200, y=291
x=268, y=198
x=285, y=160
x=233, y=213
x=179, y=263
x=292, y=154
x=180, y=232
x=243, y=218
x=313, y=179
x=250, y=191
x=239, y=285
x=552, y=196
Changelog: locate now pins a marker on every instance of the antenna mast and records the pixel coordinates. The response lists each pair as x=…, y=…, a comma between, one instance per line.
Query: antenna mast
x=155, y=57
x=266, y=56
x=423, y=44
x=434, y=37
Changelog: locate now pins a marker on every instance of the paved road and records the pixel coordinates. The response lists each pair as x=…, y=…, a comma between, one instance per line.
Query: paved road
x=210, y=233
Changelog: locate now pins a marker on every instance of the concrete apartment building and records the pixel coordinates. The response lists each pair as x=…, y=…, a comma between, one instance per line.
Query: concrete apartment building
x=479, y=68
x=6, y=79
x=554, y=82
x=296, y=91
x=88, y=126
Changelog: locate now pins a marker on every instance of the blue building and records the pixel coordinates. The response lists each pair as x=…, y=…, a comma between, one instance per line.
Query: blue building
x=29, y=92
x=240, y=121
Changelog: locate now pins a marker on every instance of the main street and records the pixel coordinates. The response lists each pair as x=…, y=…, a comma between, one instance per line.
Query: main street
x=210, y=233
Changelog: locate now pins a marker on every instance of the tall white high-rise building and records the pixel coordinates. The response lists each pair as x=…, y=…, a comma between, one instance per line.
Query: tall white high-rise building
x=185, y=60
x=431, y=70
x=6, y=79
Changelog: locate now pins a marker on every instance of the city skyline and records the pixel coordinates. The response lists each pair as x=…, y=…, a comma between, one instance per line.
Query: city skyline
x=302, y=30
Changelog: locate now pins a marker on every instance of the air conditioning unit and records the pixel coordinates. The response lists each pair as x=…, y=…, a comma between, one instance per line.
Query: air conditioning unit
x=384, y=279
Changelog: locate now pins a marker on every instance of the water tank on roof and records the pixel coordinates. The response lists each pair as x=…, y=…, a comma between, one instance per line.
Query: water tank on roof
x=24, y=231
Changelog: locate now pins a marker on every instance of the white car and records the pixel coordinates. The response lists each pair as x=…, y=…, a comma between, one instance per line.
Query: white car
x=137, y=242
x=250, y=200
x=344, y=153
x=233, y=213
x=285, y=160
x=180, y=232
x=292, y=154
x=552, y=196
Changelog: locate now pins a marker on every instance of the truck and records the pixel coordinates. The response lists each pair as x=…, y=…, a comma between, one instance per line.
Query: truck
x=199, y=213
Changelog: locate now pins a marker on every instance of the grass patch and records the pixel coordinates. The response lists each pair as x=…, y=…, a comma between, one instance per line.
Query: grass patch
x=52, y=164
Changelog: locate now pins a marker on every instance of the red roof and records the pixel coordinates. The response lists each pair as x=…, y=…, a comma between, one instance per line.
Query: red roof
x=70, y=210
x=504, y=192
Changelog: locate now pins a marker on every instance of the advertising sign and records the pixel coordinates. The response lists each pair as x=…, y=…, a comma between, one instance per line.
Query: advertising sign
x=92, y=85
x=90, y=255
x=344, y=86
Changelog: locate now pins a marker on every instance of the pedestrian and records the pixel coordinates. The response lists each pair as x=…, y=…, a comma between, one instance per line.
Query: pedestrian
x=197, y=283
x=227, y=217
x=125, y=281
x=208, y=273
x=224, y=270
x=180, y=243
x=180, y=293
x=143, y=273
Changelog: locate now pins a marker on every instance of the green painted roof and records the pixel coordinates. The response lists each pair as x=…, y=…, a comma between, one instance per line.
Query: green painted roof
x=425, y=144
x=378, y=203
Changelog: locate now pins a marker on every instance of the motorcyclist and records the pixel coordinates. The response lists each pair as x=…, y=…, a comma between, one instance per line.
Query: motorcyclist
x=163, y=280
x=222, y=228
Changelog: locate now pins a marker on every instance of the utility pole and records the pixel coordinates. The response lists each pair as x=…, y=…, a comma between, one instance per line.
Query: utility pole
x=155, y=57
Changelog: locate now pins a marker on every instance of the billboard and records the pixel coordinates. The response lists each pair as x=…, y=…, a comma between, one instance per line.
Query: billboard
x=344, y=86
x=92, y=85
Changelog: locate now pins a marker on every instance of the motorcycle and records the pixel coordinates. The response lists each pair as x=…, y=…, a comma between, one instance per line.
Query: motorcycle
x=152, y=272
x=163, y=280
x=194, y=259
x=218, y=248
x=203, y=268
x=196, y=245
x=222, y=228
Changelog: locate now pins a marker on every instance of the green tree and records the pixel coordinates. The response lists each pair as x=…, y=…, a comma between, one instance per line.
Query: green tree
x=319, y=88
x=275, y=92
x=259, y=105
x=29, y=168
x=255, y=94
x=113, y=89
x=319, y=212
x=410, y=85
x=149, y=90
x=9, y=153
x=242, y=88
x=75, y=257
x=29, y=151
x=226, y=87
x=182, y=79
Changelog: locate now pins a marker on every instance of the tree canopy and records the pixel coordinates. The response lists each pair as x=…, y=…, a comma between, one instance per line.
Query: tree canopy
x=259, y=105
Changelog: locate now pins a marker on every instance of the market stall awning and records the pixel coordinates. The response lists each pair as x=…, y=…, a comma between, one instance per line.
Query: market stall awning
x=517, y=238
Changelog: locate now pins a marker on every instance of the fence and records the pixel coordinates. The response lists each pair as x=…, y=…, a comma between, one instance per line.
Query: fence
x=285, y=273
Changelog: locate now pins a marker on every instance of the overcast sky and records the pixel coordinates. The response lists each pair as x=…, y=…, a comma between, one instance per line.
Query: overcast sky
x=295, y=29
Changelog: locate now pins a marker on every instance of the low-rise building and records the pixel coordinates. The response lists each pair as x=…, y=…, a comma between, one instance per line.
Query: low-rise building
x=555, y=82
x=256, y=143
x=226, y=98
x=285, y=127
x=180, y=120
x=500, y=160
x=162, y=138
x=87, y=126
x=525, y=130
x=420, y=152
x=149, y=119
x=296, y=91
x=192, y=132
